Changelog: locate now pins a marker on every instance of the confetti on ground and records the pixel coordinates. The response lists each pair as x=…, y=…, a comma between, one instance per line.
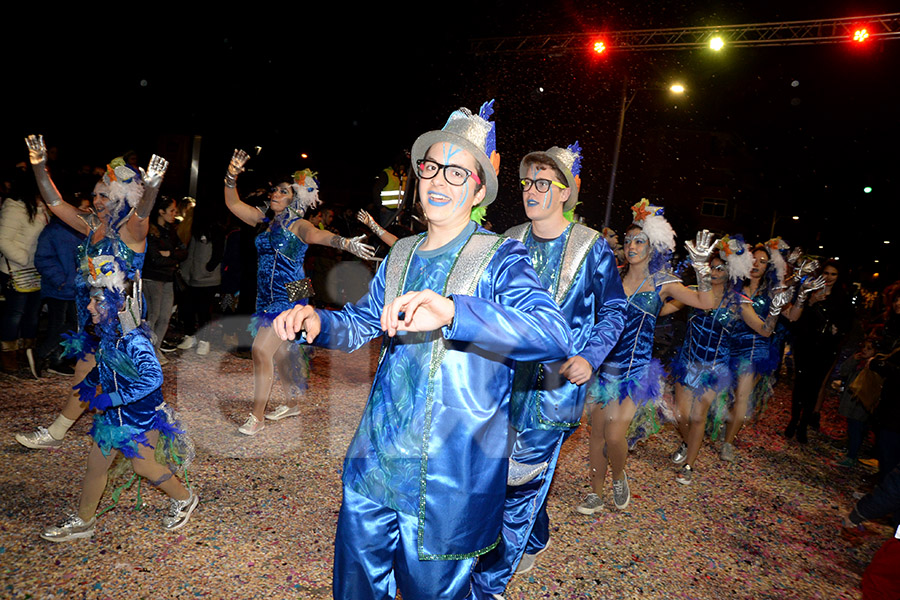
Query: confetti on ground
x=765, y=527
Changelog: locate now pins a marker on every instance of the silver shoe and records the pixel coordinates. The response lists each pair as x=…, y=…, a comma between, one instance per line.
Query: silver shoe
x=591, y=504
x=520, y=473
x=621, y=492
x=72, y=528
x=38, y=439
x=685, y=475
x=680, y=455
x=179, y=512
x=283, y=412
x=252, y=426
x=727, y=452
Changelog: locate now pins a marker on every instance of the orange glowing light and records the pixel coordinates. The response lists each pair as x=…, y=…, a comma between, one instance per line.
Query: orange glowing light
x=861, y=35
x=599, y=47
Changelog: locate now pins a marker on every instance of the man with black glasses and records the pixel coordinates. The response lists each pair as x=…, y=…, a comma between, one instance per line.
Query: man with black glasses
x=425, y=475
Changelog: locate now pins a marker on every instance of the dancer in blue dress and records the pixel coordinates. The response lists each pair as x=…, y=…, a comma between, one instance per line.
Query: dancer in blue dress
x=754, y=355
x=134, y=419
x=702, y=368
x=122, y=201
x=630, y=377
x=281, y=282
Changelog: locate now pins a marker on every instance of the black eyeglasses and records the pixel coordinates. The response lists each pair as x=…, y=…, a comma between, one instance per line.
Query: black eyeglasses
x=541, y=185
x=453, y=174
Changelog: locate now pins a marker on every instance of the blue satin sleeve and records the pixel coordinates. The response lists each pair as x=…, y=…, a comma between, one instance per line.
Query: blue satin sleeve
x=143, y=356
x=356, y=324
x=607, y=289
x=520, y=321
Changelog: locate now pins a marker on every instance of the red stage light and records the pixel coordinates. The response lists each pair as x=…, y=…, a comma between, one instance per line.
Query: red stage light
x=599, y=47
x=861, y=35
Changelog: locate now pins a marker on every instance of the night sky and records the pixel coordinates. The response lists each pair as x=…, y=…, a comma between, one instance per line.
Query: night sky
x=813, y=124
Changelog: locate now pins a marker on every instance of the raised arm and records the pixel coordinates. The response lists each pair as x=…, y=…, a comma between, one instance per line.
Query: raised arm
x=138, y=224
x=310, y=234
x=243, y=211
x=700, y=252
x=765, y=328
x=384, y=235
x=37, y=155
x=808, y=286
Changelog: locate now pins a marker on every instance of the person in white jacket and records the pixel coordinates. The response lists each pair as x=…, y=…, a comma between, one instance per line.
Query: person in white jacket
x=22, y=218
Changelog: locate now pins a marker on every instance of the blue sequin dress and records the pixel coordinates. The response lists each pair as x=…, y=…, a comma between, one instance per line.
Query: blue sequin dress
x=703, y=363
x=751, y=352
x=280, y=262
x=629, y=370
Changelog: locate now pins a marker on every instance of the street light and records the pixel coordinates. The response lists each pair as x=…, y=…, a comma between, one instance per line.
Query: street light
x=716, y=43
x=676, y=88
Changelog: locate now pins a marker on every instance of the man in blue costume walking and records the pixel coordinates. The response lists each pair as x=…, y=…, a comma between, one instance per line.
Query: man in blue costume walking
x=425, y=475
x=576, y=265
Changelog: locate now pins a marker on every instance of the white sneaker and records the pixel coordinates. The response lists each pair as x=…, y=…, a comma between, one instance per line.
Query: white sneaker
x=528, y=560
x=203, y=348
x=591, y=504
x=282, y=412
x=187, y=343
x=252, y=426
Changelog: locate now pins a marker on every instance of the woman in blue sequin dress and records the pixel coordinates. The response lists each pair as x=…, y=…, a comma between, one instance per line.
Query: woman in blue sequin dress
x=281, y=247
x=122, y=202
x=753, y=354
x=702, y=369
x=630, y=378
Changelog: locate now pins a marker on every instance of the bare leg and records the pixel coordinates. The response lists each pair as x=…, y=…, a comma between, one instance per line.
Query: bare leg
x=157, y=474
x=265, y=345
x=74, y=406
x=698, y=425
x=94, y=482
x=286, y=373
x=683, y=400
x=618, y=419
x=744, y=388
x=599, y=461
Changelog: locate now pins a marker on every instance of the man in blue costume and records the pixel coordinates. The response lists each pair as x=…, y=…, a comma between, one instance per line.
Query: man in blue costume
x=425, y=475
x=576, y=265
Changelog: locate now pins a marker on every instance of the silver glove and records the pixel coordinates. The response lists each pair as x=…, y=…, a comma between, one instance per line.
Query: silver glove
x=235, y=167
x=367, y=220
x=808, y=286
x=354, y=246
x=37, y=155
x=152, y=178
x=700, y=252
x=779, y=301
x=794, y=255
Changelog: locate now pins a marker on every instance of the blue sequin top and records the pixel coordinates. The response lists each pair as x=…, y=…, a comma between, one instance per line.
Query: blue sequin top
x=106, y=246
x=280, y=262
x=704, y=359
x=749, y=350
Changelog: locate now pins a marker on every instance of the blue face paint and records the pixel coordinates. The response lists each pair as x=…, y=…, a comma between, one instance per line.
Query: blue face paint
x=449, y=152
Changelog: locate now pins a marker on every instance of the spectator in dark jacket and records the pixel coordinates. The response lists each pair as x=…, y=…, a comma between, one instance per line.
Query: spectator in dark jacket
x=55, y=260
x=164, y=252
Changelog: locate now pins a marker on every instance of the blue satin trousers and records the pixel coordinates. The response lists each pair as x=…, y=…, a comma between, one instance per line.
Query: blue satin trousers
x=376, y=554
x=526, y=525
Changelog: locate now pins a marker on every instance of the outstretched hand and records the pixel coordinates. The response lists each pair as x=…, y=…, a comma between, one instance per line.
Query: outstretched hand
x=422, y=311
x=812, y=285
x=356, y=246
x=365, y=218
x=37, y=151
x=237, y=162
x=701, y=250
x=155, y=172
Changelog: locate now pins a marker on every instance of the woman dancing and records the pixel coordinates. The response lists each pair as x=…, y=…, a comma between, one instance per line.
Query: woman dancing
x=754, y=355
x=629, y=377
x=702, y=368
x=122, y=200
x=134, y=418
x=282, y=283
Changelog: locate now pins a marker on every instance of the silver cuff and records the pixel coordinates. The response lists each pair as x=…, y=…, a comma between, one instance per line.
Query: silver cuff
x=704, y=277
x=230, y=180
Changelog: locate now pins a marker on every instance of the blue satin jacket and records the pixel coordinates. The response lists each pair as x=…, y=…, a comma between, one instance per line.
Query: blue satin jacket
x=461, y=476
x=593, y=303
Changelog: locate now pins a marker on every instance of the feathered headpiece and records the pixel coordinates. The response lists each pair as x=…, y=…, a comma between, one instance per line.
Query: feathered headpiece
x=652, y=222
x=124, y=189
x=774, y=247
x=306, y=191
x=737, y=256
